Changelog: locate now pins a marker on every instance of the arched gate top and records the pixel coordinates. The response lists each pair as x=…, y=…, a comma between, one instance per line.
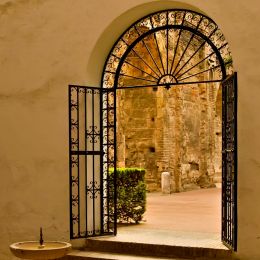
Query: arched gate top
x=167, y=48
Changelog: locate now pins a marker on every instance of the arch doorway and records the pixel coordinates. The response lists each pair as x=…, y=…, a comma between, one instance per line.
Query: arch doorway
x=167, y=50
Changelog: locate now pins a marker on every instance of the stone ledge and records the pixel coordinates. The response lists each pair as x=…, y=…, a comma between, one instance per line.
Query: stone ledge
x=155, y=250
x=95, y=255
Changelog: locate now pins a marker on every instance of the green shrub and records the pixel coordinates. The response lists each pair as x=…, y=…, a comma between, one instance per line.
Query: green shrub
x=131, y=194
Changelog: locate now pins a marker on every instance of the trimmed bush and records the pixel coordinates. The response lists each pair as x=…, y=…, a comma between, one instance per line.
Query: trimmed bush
x=131, y=194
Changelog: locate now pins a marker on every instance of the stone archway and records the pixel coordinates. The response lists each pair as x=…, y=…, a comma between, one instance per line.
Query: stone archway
x=174, y=48
x=179, y=48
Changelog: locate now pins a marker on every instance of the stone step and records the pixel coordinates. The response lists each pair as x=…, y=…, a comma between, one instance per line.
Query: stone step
x=156, y=250
x=94, y=255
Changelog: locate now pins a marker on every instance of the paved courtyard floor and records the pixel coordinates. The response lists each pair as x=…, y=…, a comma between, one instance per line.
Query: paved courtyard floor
x=196, y=211
x=182, y=219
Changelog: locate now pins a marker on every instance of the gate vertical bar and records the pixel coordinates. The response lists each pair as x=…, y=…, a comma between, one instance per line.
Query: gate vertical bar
x=115, y=166
x=229, y=162
x=235, y=166
x=74, y=162
x=70, y=165
x=167, y=43
x=93, y=159
x=101, y=159
x=86, y=158
x=224, y=209
x=78, y=162
x=104, y=148
x=108, y=163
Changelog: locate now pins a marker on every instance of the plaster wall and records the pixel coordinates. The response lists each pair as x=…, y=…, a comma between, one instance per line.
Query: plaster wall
x=47, y=44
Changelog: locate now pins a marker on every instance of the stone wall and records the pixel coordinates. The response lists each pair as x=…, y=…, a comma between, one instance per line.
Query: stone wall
x=173, y=129
x=176, y=130
x=137, y=131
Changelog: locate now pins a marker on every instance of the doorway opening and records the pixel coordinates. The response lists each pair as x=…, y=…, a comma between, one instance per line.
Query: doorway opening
x=173, y=132
x=187, y=51
x=181, y=63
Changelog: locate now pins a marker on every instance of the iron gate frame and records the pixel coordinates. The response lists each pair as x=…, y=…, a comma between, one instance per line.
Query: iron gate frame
x=119, y=53
x=107, y=218
x=229, y=162
x=230, y=240
x=106, y=88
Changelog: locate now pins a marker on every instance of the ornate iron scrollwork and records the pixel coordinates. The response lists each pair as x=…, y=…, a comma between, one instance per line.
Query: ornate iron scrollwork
x=93, y=134
x=179, y=46
x=92, y=153
x=173, y=47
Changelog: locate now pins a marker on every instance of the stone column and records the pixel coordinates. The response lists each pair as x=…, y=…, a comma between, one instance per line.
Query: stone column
x=166, y=183
x=162, y=146
x=120, y=129
x=218, y=135
x=203, y=179
x=177, y=129
x=211, y=126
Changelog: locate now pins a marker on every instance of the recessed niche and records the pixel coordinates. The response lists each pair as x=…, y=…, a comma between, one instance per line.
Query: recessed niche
x=152, y=149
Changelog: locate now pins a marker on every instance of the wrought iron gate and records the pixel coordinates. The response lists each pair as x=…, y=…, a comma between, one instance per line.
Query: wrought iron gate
x=229, y=162
x=92, y=154
x=202, y=49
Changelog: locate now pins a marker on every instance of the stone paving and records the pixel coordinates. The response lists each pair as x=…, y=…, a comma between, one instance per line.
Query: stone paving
x=196, y=211
x=180, y=225
x=182, y=219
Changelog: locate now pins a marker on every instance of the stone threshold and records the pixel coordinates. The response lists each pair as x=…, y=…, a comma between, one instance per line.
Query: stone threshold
x=156, y=250
x=91, y=255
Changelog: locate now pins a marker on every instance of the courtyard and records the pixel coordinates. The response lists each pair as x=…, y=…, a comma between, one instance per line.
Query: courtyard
x=191, y=218
x=175, y=225
x=195, y=211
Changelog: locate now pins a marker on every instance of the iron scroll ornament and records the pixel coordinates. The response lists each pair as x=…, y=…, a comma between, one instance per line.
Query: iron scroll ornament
x=168, y=47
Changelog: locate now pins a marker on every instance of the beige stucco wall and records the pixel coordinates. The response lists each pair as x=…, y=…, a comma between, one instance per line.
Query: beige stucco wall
x=47, y=44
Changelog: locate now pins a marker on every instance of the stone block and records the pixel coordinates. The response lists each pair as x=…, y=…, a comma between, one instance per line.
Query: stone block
x=165, y=183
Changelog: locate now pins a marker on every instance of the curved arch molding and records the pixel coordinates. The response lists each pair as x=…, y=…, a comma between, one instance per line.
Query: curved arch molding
x=174, y=46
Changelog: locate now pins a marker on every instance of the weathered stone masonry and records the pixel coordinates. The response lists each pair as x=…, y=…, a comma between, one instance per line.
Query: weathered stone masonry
x=176, y=130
